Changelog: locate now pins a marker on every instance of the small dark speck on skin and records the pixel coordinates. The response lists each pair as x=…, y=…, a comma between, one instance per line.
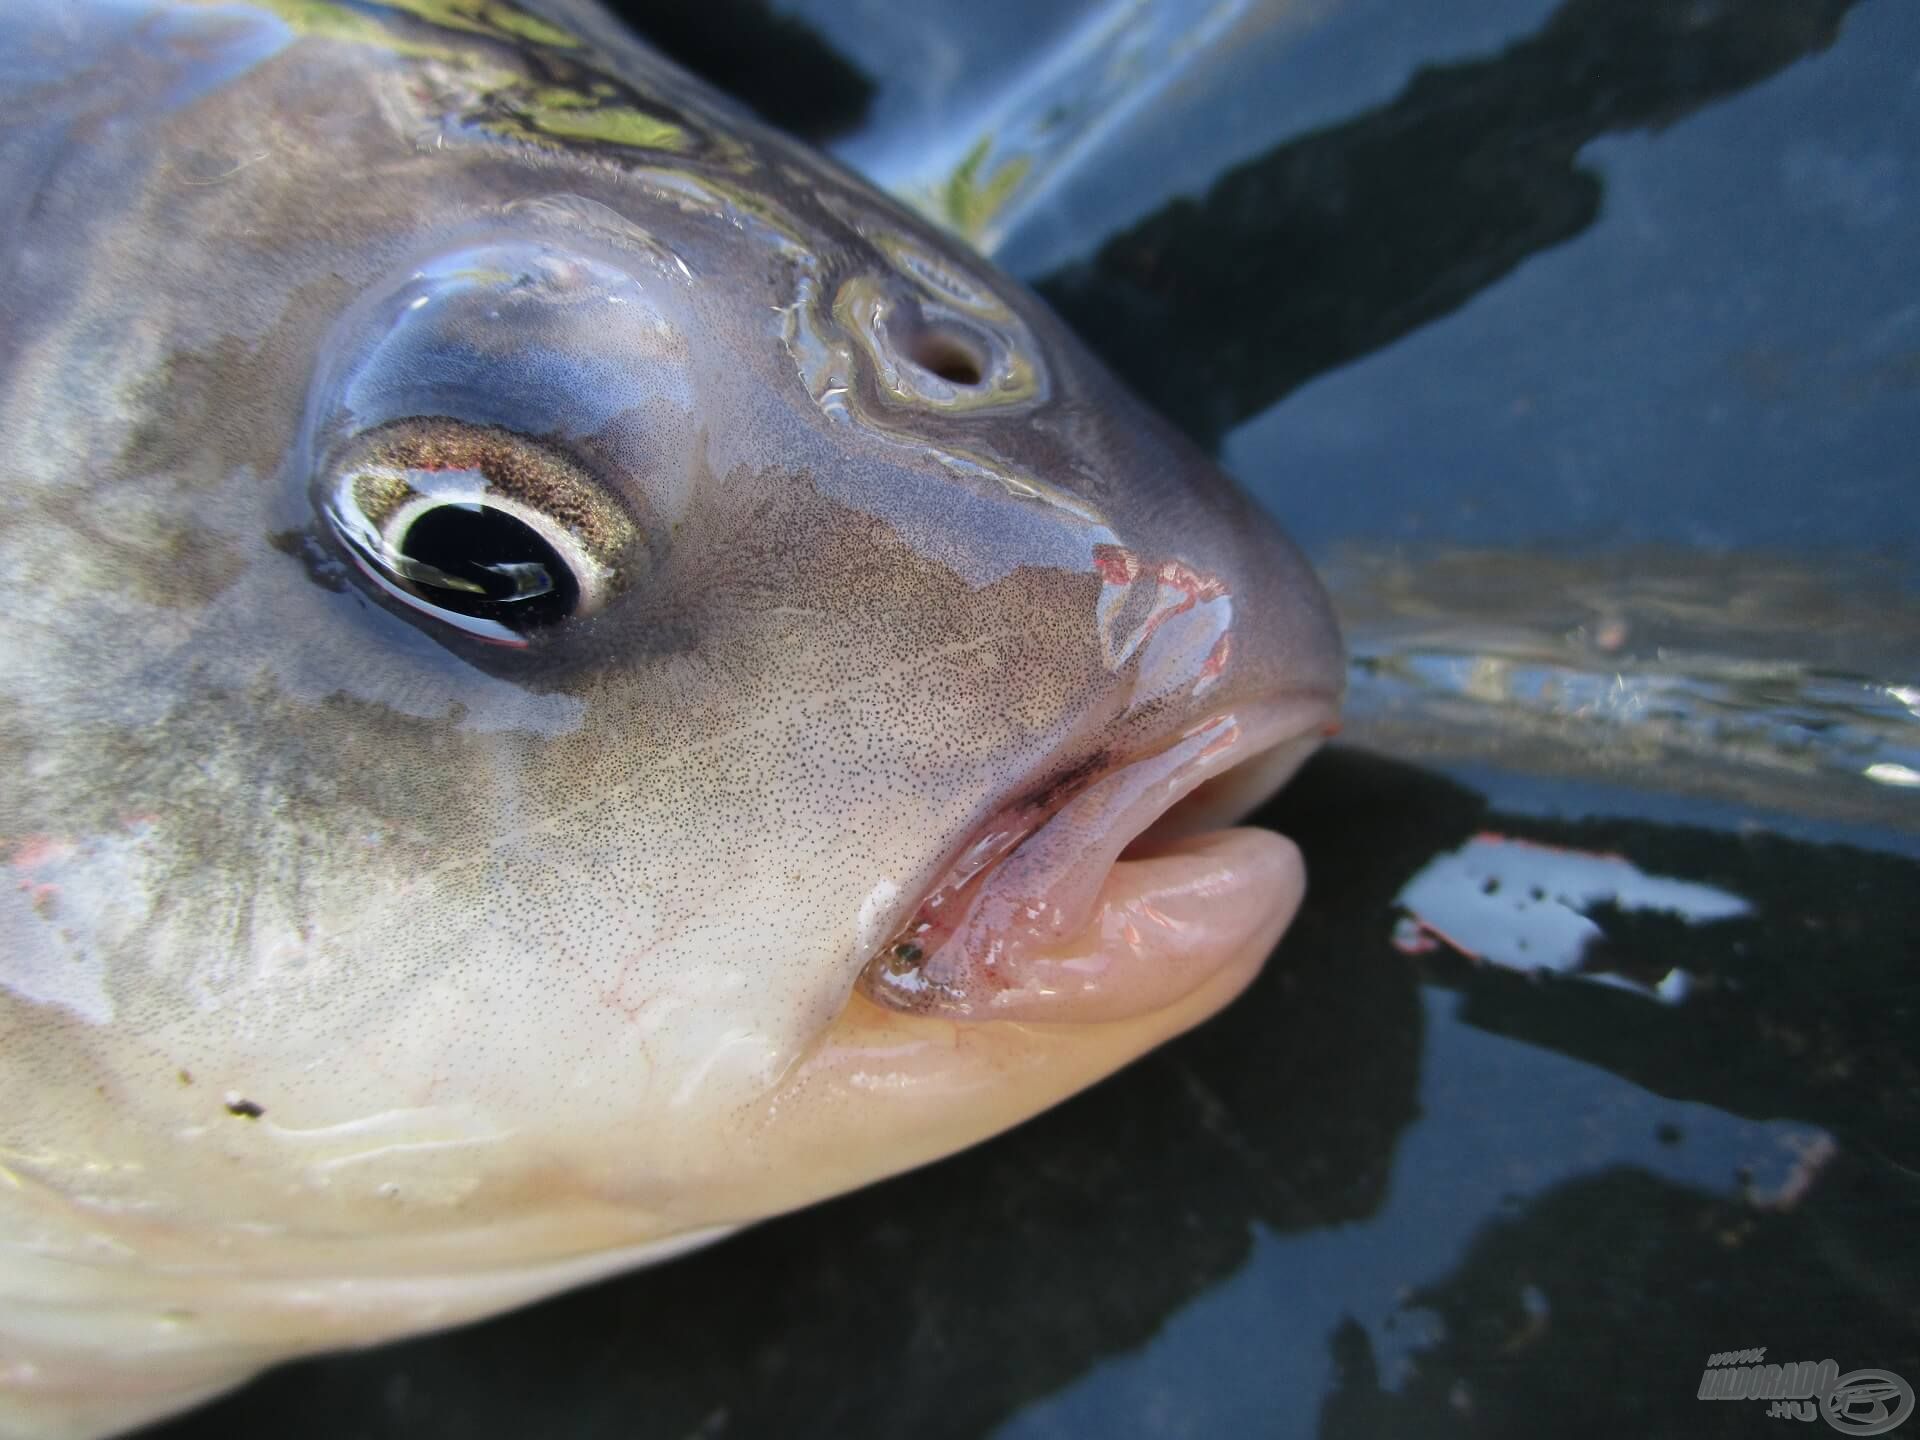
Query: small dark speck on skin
x=186, y=1077
x=1667, y=1133
x=245, y=1109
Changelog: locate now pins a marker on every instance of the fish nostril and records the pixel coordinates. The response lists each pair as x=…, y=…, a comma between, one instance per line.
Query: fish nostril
x=943, y=351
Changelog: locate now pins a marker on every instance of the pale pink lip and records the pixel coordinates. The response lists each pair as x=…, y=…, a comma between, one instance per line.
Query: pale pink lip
x=1124, y=898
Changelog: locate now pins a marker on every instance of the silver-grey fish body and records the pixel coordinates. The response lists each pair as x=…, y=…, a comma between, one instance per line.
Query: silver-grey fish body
x=520, y=579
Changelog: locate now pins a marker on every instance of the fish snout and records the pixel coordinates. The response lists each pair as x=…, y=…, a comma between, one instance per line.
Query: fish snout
x=1104, y=909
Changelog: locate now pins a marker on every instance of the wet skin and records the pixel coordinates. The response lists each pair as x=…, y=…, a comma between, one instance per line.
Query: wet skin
x=575, y=678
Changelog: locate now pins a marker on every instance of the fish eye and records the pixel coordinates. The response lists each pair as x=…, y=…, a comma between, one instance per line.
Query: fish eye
x=477, y=528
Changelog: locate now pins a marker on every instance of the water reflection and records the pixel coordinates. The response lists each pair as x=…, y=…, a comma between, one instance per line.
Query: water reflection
x=1761, y=679
x=758, y=52
x=1343, y=240
x=1284, y=1342
x=1644, y=1277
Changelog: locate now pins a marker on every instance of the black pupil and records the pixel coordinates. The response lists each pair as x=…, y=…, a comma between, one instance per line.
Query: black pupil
x=522, y=581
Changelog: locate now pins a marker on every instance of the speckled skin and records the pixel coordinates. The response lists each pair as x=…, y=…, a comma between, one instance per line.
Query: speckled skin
x=359, y=976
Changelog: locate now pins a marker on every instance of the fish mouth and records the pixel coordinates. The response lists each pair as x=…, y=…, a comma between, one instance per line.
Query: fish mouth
x=1118, y=887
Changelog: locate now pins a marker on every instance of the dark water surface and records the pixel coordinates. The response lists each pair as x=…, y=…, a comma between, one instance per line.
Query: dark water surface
x=1613, y=292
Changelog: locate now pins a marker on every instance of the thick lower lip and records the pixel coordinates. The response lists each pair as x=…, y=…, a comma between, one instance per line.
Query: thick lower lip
x=1121, y=895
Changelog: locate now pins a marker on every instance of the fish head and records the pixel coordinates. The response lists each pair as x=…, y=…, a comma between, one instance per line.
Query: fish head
x=568, y=694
